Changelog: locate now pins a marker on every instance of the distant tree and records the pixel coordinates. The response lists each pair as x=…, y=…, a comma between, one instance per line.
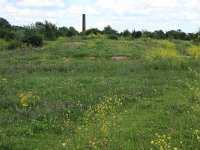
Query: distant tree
x=40, y=27
x=146, y=34
x=4, y=24
x=126, y=33
x=158, y=34
x=136, y=34
x=189, y=36
x=109, y=30
x=10, y=35
x=72, y=32
x=63, y=31
x=4, y=27
x=176, y=34
x=50, y=31
x=16, y=28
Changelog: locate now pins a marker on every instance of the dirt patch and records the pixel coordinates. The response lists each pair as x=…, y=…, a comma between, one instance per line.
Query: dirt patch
x=74, y=43
x=66, y=59
x=118, y=58
x=90, y=58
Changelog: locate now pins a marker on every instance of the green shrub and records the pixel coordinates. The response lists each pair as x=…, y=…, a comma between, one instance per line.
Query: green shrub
x=126, y=33
x=3, y=44
x=14, y=44
x=93, y=31
x=10, y=35
x=113, y=37
x=32, y=38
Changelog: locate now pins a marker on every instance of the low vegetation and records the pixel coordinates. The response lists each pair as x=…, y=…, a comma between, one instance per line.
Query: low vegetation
x=92, y=92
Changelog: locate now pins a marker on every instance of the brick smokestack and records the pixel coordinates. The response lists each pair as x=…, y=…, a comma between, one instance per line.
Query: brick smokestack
x=83, y=23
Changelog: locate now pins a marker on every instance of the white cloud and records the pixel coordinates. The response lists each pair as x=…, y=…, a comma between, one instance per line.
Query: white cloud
x=40, y=3
x=120, y=14
x=192, y=4
x=81, y=9
x=190, y=15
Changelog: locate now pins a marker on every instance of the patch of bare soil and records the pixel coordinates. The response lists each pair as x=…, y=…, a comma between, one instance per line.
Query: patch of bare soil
x=66, y=59
x=74, y=43
x=90, y=58
x=118, y=58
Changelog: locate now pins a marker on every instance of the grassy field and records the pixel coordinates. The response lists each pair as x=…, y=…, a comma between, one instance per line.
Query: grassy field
x=79, y=93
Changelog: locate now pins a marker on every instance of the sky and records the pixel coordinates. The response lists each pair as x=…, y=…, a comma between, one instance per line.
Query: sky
x=120, y=14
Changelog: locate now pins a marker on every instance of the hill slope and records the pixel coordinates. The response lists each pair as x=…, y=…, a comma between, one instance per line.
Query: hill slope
x=99, y=93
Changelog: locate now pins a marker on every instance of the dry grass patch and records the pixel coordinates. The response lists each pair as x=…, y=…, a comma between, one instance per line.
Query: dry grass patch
x=118, y=58
x=74, y=43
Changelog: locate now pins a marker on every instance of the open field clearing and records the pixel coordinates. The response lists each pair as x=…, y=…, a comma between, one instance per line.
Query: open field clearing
x=76, y=93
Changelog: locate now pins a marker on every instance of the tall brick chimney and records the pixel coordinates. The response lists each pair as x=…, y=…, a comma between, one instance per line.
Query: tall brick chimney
x=83, y=23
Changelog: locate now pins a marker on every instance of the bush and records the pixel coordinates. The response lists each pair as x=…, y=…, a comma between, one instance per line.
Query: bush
x=136, y=34
x=93, y=31
x=4, y=27
x=126, y=33
x=72, y=32
x=50, y=31
x=14, y=44
x=31, y=37
x=3, y=44
x=10, y=35
x=109, y=30
x=113, y=37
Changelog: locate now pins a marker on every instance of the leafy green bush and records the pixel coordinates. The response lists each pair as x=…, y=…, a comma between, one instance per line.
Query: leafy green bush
x=96, y=36
x=31, y=37
x=50, y=30
x=109, y=30
x=93, y=31
x=14, y=44
x=113, y=37
x=136, y=34
x=72, y=32
x=3, y=44
x=126, y=33
x=10, y=35
x=4, y=27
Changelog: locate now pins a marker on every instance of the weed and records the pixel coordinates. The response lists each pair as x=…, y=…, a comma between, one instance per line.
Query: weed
x=193, y=51
x=161, y=142
x=27, y=97
x=163, y=58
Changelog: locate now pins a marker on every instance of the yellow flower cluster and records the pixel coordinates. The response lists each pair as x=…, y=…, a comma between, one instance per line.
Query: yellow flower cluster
x=197, y=134
x=160, y=53
x=26, y=96
x=162, y=142
x=99, y=122
x=194, y=87
x=167, y=44
x=3, y=79
x=193, y=51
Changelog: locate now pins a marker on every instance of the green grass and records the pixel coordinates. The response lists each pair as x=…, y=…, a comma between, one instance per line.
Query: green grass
x=83, y=98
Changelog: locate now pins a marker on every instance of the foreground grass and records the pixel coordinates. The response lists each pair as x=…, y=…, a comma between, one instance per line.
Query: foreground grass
x=100, y=94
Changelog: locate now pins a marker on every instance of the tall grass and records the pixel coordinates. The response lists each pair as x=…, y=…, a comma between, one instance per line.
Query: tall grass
x=3, y=44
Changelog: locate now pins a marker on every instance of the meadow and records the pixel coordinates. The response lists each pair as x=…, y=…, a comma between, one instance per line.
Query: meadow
x=96, y=93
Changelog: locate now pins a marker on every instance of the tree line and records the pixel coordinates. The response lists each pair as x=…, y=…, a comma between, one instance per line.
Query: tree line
x=35, y=34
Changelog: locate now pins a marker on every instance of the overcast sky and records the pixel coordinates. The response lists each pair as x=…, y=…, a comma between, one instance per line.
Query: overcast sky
x=120, y=14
